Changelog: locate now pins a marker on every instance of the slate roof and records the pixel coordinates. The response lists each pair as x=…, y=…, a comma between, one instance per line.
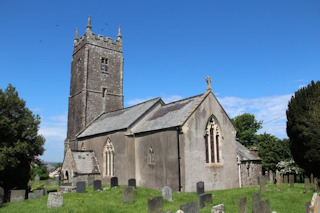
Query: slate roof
x=244, y=153
x=85, y=162
x=120, y=119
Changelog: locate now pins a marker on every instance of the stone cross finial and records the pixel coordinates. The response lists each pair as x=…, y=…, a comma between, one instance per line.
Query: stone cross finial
x=208, y=80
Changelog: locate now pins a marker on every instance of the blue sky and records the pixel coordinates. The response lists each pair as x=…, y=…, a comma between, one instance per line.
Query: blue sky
x=258, y=53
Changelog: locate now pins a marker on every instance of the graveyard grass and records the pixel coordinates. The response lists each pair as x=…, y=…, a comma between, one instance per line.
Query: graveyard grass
x=282, y=200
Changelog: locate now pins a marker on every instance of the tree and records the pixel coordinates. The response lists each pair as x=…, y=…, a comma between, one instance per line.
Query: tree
x=19, y=140
x=246, y=126
x=39, y=168
x=303, y=127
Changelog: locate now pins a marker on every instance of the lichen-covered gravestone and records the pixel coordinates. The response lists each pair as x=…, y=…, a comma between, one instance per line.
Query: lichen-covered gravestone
x=35, y=194
x=242, y=205
x=127, y=194
x=17, y=195
x=191, y=207
x=155, y=205
x=167, y=193
x=55, y=199
x=205, y=199
x=200, y=188
x=256, y=197
x=1, y=196
x=261, y=207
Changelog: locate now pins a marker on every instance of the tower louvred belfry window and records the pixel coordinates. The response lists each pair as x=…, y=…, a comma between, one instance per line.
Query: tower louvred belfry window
x=104, y=65
x=212, y=141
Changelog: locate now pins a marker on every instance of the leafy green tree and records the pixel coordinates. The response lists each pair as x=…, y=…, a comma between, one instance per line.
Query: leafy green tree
x=303, y=127
x=39, y=168
x=246, y=126
x=19, y=139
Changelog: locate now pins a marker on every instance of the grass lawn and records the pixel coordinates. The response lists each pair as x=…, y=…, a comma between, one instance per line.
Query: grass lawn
x=282, y=200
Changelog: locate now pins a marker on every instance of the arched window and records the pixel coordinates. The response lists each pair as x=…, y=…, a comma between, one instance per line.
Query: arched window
x=212, y=141
x=109, y=158
x=83, y=147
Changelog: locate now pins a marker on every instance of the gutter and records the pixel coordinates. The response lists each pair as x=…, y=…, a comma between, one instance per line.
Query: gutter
x=179, y=158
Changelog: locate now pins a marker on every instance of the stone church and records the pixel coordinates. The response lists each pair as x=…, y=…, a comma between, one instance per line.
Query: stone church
x=159, y=144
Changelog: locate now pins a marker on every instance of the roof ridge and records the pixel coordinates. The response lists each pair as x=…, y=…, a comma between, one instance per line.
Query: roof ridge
x=182, y=99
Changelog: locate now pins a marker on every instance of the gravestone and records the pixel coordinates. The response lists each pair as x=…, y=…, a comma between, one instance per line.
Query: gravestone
x=307, y=185
x=1, y=196
x=97, y=185
x=261, y=207
x=127, y=194
x=90, y=180
x=191, y=207
x=132, y=182
x=311, y=178
x=256, y=198
x=291, y=180
x=114, y=182
x=55, y=199
x=218, y=209
x=37, y=179
x=242, y=205
x=17, y=195
x=155, y=205
x=35, y=194
x=279, y=179
x=81, y=187
x=167, y=193
x=205, y=199
x=270, y=176
x=45, y=191
x=285, y=179
x=262, y=186
x=200, y=188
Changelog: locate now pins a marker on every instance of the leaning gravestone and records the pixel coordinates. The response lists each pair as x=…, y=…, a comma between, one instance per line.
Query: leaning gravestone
x=1, y=196
x=17, y=195
x=242, y=205
x=155, y=205
x=55, y=199
x=127, y=194
x=132, y=182
x=81, y=187
x=218, y=209
x=37, y=179
x=200, y=188
x=307, y=185
x=167, y=193
x=261, y=207
x=35, y=194
x=205, y=199
x=97, y=185
x=114, y=182
x=256, y=198
x=191, y=207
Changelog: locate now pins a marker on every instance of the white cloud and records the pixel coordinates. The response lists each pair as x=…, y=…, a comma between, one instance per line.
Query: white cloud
x=55, y=128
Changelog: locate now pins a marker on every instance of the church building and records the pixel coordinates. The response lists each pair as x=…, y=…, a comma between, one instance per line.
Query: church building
x=159, y=144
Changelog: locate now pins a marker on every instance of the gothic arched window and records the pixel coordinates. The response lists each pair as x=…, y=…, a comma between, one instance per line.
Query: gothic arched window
x=212, y=141
x=109, y=158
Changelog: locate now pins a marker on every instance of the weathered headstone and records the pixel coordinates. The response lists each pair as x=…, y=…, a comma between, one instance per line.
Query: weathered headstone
x=270, y=176
x=36, y=179
x=167, y=193
x=291, y=180
x=261, y=207
x=311, y=178
x=285, y=179
x=205, y=199
x=81, y=187
x=97, y=185
x=279, y=179
x=256, y=198
x=307, y=185
x=200, y=188
x=132, y=182
x=35, y=194
x=262, y=186
x=127, y=194
x=242, y=205
x=17, y=195
x=1, y=196
x=191, y=207
x=155, y=205
x=55, y=199
x=218, y=209
x=114, y=182
x=90, y=180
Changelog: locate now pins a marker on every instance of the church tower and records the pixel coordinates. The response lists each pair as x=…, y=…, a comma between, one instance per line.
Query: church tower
x=96, y=80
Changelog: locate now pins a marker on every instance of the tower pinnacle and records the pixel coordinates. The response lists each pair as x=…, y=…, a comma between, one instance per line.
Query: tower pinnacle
x=76, y=36
x=88, y=30
x=119, y=34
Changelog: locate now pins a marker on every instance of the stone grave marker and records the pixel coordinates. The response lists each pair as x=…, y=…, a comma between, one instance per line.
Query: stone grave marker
x=167, y=193
x=81, y=187
x=262, y=186
x=132, y=182
x=242, y=205
x=307, y=185
x=127, y=194
x=97, y=185
x=155, y=205
x=291, y=180
x=205, y=199
x=90, y=180
x=285, y=179
x=200, y=188
x=35, y=194
x=256, y=198
x=114, y=182
x=311, y=178
x=279, y=179
x=1, y=196
x=270, y=176
x=218, y=209
x=261, y=207
x=55, y=199
x=191, y=207
x=17, y=195
x=37, y=179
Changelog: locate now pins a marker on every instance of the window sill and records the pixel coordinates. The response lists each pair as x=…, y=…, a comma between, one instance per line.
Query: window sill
x=209, y=165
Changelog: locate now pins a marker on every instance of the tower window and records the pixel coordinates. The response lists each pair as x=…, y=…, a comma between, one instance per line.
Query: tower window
x=104, y=65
